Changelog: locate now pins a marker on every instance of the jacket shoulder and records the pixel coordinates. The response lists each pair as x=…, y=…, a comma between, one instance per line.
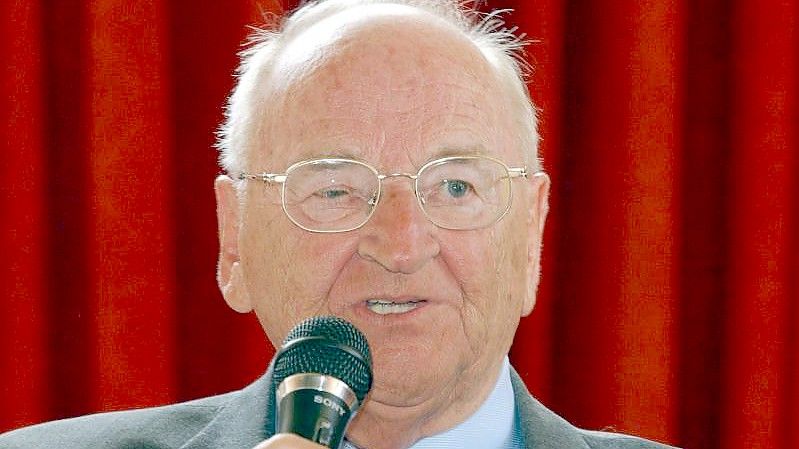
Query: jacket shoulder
x=608, y=440
x=543, y=429
x=149, y=428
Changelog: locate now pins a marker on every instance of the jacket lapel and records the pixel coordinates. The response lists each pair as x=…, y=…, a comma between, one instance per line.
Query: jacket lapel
x=540, y=427
x=246, y=420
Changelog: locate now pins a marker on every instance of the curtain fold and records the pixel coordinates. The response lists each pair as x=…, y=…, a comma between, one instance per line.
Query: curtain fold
x=761, y=213
x=668, y=303
x=620, y=217
x=705, y=155
x=130, y=249
x=24, y=364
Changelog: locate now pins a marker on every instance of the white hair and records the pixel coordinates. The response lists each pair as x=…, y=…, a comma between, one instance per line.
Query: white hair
x=247, y=107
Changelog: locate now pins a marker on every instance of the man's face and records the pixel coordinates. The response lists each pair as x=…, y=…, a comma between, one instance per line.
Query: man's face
x=394, y=91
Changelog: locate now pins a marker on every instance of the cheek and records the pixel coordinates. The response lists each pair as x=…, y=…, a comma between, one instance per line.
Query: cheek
x=289, y=273
x=491, y=262
x=512, y=265
x=490, y=270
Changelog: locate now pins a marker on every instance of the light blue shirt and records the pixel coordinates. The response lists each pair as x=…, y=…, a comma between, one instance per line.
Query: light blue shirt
x=492, y=426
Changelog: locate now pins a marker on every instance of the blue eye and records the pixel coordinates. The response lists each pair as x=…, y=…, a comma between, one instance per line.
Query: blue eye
x=456, y=188
x=332, y=194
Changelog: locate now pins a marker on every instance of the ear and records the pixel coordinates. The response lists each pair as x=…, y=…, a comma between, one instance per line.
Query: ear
x=535, y=225
x=229, y=275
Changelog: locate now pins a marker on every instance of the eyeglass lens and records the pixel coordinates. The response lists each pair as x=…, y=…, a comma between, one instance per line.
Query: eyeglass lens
x=335, y=195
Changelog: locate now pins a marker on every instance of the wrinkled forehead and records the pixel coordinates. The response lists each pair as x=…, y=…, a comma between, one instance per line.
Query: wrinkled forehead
x=351, y=41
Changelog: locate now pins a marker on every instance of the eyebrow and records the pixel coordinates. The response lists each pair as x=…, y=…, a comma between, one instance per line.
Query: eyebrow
x=332, y=153
x=448, y=151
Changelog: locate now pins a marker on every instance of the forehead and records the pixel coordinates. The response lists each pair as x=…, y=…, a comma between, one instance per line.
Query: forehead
x=389, y=32
x=381, y=85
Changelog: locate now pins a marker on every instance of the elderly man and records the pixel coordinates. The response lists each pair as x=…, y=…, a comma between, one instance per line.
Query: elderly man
x=382, y=168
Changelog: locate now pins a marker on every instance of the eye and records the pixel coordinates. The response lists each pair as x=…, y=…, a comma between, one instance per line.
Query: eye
x=332, y=194
x=456, y=187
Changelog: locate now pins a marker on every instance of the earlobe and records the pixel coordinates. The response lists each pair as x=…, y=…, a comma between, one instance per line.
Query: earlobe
x=235, y=292
x=229, y=275
x=535, y=225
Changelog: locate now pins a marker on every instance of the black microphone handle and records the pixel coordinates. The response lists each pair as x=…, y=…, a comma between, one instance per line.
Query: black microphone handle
x=316, y=407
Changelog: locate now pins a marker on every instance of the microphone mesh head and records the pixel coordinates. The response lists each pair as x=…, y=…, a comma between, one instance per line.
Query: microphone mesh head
x=327, y=345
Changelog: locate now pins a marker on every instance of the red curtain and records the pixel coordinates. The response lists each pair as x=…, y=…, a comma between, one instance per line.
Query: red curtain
x=668, y=306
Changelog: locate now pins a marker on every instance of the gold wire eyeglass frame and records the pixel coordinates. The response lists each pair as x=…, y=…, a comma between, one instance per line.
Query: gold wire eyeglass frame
x=280, y=178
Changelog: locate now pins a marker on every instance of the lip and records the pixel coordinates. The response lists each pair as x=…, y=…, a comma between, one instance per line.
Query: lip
x=362, y=310
x=395, y=298
x=361, y=299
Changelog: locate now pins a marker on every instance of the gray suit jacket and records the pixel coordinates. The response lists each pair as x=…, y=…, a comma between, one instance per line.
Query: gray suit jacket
x=240, y=420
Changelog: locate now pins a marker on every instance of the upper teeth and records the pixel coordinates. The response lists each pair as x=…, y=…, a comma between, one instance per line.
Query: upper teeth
x=383, y=307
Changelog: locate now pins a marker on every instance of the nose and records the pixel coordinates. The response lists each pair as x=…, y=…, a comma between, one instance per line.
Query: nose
x=398, y=236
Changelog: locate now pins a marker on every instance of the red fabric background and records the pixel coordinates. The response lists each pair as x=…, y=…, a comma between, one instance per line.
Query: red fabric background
x=669, y=301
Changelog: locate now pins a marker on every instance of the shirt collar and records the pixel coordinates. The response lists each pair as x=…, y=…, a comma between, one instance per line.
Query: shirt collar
x=490, y=427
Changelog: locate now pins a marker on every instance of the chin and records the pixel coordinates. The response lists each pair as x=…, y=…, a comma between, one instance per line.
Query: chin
x=407, y=378
x=400, y=392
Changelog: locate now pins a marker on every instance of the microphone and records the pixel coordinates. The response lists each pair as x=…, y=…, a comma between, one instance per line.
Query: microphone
x=323, y=371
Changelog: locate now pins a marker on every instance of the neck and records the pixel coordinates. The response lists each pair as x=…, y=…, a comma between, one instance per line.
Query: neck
x=383, y=426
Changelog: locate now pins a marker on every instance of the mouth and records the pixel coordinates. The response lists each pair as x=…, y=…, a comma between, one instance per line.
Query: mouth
x=389, y=307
